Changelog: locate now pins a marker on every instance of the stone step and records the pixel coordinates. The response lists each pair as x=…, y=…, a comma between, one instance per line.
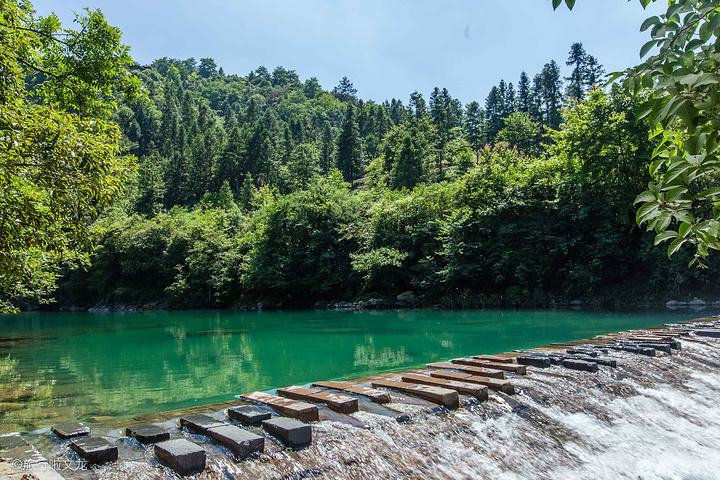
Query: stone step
x=248, y=414
x=649, y=352
x=708, y=332
x=147, y=433
x=494, y=384
x=12, y=441
x=581, y=351
x=608, y=362
x=494, y=358
x=24, y=462
x=240, y=442
x=478, y=391
x=662, y=333
x=661, y=347
x=580, y=365
x=70, y=430
x=95, y=450
x=200, y=423
x=182, y=456
x=519, y=369
x=443, y=396
x=534, y=361
x=292, y=433
x=337, y=401
x=305, y=412
x=377, y=396
x=483, y=372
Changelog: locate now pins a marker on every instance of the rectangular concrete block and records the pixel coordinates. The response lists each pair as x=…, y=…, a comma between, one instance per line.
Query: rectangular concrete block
x=494, y=384
x=70, y=430
x=182, y=456
x=292, y=433
x=480, y=392
x=200, y=423
x=240, y=442
x=147, y=433
x=248, y=414
x=95, y=451
x=443, y=396
x=377, y=396
x=580, y=365
x=483, y=372
x=707, y=332
x=518, y=369
x=12, y=441
x=338, y=402
x=305, y=412
x=494, y=358
x=538, y=361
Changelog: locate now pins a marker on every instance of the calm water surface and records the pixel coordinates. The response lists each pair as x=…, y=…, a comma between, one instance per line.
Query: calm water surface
x=116, y=365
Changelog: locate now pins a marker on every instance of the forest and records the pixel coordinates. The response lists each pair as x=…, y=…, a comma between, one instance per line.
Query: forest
x=268, y=189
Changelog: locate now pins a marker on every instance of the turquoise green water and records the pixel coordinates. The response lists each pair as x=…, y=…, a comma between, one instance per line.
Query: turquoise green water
x=111, y=365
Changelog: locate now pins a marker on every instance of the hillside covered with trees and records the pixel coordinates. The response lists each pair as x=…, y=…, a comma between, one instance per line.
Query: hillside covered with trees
x=266, y=188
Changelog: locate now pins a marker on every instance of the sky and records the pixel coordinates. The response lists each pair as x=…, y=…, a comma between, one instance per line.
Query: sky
x=386, y=48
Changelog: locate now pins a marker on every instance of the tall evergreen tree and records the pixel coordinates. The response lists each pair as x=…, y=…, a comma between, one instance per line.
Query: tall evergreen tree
x=408, y=169
x=417, y=105
x=493, y=112
x=577, y=58
x=523, y=101
x=552, y=96
x=349, y=146
x=345, y=91
x=475, y=127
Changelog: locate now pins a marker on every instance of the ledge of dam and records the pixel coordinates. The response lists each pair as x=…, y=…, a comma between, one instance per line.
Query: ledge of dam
x=652, y=410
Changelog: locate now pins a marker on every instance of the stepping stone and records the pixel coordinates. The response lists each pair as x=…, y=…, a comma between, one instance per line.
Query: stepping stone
x=519, y=369
x=240, y=442
x=649, y=352
x=292, y=433
x=248, y=414
x=483, y=372
x=581, y=351
x=338, y=402
x=478, y=391
x=200, y=423
x=494, y=358
x=580, y=365
x=147, y=433
x=26, y=455
x=305, y=412
x=12, y=441
x=535, y=361
x=662, y=347
x=377, y=396
x=443, y=396
x=70, y=430
x=503, y=386
x=95, y=451
x=712, y=333
x=182, y=456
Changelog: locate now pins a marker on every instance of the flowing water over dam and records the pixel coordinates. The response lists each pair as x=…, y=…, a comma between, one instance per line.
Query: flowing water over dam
x=649, y=418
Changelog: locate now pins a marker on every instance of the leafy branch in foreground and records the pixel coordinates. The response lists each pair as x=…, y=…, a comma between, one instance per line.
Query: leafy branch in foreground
x=59, y=160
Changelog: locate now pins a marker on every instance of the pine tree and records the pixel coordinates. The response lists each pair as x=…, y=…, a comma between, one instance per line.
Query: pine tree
x=552, y=97
x=417, y=106
x=345, y=91
x=475, y=127
x=523, y=101
x=593, y=72
x=493, y=113
x=327, y=149
x=408, y=169
x=578, y=59
x=349, y=146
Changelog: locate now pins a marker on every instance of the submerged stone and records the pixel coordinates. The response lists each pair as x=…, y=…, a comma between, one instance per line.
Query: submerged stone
x=534, y=361
x=240, y=442
x=580, y=365
x=248, y=414
x=24, y=455
x=70, y=430
x=95, y=451
x=291, y=432
x=148, y=433
x=184, y=457
x=708, y=332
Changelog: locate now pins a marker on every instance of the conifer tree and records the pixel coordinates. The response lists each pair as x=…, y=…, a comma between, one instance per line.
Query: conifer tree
x=349, y=146
x=475, y=126
x=408, y=169
x=523, y=101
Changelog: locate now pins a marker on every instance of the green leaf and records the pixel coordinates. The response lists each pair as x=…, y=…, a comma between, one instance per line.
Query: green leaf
x=649, y=22
x=710, y=192
x=675, y=246
x=663, y=236
x=646, y=212
x=556, y=4
x=646, y=48
x=570, y=3
x=646, y=196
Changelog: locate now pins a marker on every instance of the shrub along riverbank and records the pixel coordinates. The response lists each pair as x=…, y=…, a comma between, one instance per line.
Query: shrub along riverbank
x=507, y=229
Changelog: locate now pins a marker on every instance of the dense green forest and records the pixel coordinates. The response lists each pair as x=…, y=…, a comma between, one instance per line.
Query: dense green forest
x=265, y=188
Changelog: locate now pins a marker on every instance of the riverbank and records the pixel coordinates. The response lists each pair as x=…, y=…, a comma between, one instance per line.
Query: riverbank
x=651, y=417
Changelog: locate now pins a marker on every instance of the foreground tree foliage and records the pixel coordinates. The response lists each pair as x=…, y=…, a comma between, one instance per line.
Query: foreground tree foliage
x=59, y=157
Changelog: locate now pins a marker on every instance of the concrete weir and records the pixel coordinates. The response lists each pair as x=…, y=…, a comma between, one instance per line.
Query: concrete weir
x=549, y=419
